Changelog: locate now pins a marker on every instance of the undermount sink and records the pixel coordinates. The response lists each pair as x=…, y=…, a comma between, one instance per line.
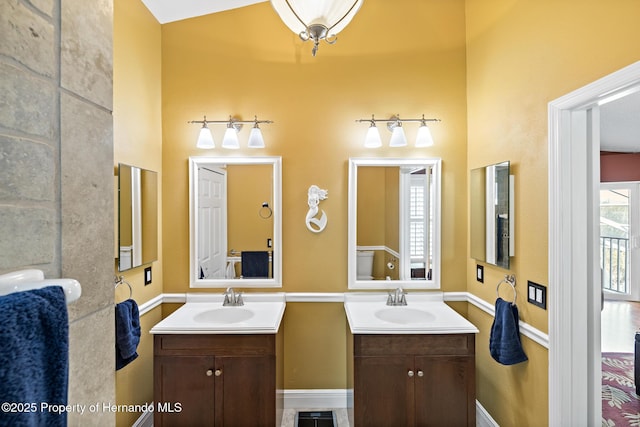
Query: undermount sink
x=404, y=315
x=225, y=315
x=425, y=313
x=205, y=314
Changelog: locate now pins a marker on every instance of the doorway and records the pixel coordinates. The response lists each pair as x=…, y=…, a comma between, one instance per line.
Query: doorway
x=574, y=272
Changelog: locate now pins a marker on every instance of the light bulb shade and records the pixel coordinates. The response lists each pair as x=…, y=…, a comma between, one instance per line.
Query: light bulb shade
x=424, y=138
x=255, y=138
x=326, y=12
x=231, y=139
x=372, y=140
x=205, y=139
x=398, y=139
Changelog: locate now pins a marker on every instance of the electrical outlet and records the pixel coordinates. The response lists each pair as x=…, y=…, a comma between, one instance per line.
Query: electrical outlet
x=537, y=294
x=147, y=276
x=480, y=273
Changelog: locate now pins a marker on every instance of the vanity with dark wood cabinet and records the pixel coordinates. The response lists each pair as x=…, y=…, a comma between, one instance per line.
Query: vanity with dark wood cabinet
x=414, y=380
x=217, y=380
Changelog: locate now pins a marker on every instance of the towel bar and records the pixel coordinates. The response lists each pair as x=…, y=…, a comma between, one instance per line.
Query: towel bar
x=509, y=279
x=25, y=280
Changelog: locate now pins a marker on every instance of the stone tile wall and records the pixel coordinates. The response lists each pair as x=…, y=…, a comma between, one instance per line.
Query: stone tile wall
x=56, y=172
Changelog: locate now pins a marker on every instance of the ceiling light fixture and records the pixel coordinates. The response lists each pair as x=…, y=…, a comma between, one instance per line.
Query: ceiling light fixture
x=230, y=139
x=316, y=20
x=398, y=138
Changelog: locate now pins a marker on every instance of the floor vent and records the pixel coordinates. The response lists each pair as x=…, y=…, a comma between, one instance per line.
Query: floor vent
x=316, y=419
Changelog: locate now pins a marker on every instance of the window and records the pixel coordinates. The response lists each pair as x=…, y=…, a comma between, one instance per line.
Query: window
x=418, y=216
x=619, y=227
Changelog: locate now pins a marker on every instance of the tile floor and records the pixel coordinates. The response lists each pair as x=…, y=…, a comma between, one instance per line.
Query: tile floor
x=289, y=416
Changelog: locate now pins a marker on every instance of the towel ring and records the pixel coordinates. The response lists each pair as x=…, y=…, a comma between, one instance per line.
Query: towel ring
x=511, y=281
x=265, y=211
x=119, y=280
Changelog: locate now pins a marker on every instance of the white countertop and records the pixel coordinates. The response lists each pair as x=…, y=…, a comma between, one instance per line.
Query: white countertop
x=425, y=313
x=205, y=314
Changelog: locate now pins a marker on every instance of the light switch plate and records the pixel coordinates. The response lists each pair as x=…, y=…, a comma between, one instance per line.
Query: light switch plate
x=537, y=294
x=147, y=276
x=480, y=273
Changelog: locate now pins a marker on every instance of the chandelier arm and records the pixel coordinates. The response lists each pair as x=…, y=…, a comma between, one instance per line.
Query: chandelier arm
x=341, y=19
x=332, y=39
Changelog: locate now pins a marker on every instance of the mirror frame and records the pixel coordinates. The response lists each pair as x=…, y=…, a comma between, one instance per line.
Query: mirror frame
x=354, y=283
x=487, y=223
x=144, y=223
x=276, y=280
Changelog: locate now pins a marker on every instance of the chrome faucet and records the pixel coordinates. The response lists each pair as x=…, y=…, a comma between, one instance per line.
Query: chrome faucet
x=397, y=297
x=232, y=298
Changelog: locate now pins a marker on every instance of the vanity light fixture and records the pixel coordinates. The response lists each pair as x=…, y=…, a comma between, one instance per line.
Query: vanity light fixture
x=205, y=139
x=230, y=140
x=372, y=140
x=316, y=20
x=398, y=138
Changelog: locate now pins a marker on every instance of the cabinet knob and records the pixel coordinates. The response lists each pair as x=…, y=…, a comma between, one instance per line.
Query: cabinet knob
x=410, y=373
x=209, y=372
x=218, y=372
x=420, y=374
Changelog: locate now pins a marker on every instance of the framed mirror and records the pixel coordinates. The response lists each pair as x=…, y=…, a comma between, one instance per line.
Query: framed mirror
x=235, y=222
x=137, y=216
x=394, y=223
x=491, y=214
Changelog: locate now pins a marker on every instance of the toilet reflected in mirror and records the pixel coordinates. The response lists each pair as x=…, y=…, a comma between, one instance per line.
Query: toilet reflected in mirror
x=364, y=264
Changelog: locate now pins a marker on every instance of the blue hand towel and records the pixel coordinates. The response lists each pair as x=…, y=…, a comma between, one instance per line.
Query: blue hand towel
x=34, y=356
x=504, y=342
x=127, y=332
x=254, y=263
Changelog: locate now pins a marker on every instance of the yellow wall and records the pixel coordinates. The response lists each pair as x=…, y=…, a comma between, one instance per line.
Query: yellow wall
x=248, y=186
x=520, y=56
x=370, y=230
x=246, y=62
x=487, y=68
x=138, y=141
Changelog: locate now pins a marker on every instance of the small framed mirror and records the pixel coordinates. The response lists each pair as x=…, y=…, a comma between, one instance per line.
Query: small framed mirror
x=137, y=216
x=235, y=221
x=491, y=214
x=394, y=223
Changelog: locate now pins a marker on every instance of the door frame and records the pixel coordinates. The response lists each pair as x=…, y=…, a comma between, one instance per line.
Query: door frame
x=574, y=309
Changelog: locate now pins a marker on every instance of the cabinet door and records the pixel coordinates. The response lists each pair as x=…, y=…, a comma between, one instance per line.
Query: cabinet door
x=383, y=391
x=246, y=391
x=443, y=385
x=184, y=391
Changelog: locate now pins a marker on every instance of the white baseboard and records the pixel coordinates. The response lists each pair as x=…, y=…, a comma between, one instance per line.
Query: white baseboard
x=144, y=420
x=483, y=419
x=321, y=398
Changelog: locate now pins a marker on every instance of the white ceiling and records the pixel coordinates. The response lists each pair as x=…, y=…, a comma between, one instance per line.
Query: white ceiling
x=175, y=10
x=620, y=124
x=619, y=119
